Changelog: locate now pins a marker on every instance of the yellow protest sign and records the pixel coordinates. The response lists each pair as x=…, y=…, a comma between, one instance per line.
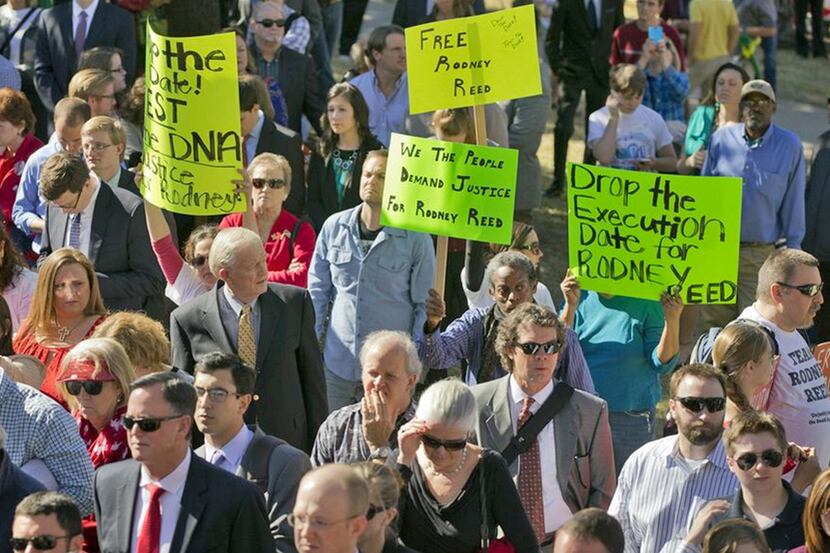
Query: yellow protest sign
x=450, y=189
x=639, y=234
x=192, y=146
x=473, y=60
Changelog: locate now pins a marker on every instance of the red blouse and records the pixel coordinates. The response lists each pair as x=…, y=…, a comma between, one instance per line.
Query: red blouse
x=277, y=256
x=11, y=168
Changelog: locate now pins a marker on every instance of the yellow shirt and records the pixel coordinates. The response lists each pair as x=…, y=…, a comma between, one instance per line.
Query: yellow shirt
x=716, y=17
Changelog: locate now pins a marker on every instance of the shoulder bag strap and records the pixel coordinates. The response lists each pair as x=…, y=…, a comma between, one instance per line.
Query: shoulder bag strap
x=523, y=440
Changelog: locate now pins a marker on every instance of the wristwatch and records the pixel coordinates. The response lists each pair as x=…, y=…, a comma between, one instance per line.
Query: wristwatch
x=381, y=453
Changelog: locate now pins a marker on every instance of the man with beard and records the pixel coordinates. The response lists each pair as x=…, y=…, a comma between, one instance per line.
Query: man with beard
x=770, y=160
x=663, y=484
x=789, y=296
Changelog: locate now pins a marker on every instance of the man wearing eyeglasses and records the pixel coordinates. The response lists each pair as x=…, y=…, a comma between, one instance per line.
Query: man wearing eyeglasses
x=224, y=389
x=770, y=160
x=789, y=296
x=665, y=482
x=166, y=500
x=103, y=142
x=331, y=510
x=570, y=458
x=46, y=521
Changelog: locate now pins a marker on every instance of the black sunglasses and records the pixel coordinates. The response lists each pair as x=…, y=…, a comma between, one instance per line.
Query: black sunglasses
x=449, y=445
x=769, y=457
x=148, y=424
x=809, y=290
x=198, y=260
x=270, y=183
x=41, y=543
x=696, y=404
x=92, y=387
x=268, y=23
x=374, y=510
x=532, y=348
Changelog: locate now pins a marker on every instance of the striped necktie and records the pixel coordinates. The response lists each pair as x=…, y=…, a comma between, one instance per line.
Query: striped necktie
x=75, y=231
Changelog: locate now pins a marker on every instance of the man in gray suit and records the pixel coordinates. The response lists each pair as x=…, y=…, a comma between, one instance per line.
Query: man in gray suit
x=165, y=498
x=224, y=388
x=270, y=326
x=570, y=459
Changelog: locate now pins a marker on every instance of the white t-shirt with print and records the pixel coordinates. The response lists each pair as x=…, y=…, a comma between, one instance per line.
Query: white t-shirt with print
x=639, y=134
x=798, y=397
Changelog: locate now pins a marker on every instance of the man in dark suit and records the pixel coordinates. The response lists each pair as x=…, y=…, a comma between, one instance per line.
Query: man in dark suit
x=224, y=388
x=68, y=29
x=261, y=134
x=270, y=327
x=108, y=226
x=578, y=45
x=290, y=76
x=571, y=458
x=165, y=498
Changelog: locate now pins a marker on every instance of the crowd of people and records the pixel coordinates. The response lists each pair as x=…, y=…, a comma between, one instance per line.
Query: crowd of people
x=278, y=379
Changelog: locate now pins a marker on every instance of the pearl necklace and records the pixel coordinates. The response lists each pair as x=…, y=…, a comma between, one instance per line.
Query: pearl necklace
x=456, y=470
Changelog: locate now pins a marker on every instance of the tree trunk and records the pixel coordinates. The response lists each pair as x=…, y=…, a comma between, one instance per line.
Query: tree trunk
x=192, y=17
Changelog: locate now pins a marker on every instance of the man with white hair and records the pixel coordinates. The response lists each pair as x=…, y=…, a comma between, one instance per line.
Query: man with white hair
x=269, y=326
x=369, y=428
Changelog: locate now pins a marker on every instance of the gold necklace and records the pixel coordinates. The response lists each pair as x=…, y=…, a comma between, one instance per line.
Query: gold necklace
x=64, y=332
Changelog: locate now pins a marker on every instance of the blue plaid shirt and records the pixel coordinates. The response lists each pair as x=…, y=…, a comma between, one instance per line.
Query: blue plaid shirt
x=666, y=92
x=39, y=428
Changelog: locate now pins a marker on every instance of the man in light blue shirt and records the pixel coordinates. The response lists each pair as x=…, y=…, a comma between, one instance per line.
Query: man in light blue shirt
x=385, y=87
x=370, y=277
x=770, y=160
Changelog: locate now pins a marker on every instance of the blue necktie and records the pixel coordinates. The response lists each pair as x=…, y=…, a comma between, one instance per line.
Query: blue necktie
x=75, y=231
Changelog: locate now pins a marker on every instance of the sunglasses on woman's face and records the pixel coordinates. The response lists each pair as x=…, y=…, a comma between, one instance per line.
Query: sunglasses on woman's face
x=449, y=445
x=148, y=424
x=270, y=183
x=45, y=542
x=198, y=261
x=91, y=387
x=770, y=457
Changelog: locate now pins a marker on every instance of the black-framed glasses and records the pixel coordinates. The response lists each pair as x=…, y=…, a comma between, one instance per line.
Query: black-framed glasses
x=449, y=445
x=809, y=290
x=215, y=394
x=46, y=542
x=198, y=261
x=532, y=348
x=268, y=23
x=91, y=387
x=696, y=404
x=149, y=424
x=270, y=183
x=73, y=206
x=770, y=457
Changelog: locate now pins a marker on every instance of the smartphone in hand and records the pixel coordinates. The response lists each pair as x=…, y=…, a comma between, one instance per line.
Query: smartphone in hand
x=655, y=34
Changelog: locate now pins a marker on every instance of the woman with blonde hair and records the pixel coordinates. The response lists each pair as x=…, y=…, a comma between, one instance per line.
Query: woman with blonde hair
x=66, y=308
x=735, y=536
x=384, y=493
x=816, y=517
x=142, y=338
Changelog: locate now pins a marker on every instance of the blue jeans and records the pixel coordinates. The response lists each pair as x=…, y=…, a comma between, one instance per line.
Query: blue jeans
x=342, y=392
x=629, y=431
x=769, y=45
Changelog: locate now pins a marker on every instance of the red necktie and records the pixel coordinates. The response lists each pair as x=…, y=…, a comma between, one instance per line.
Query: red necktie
x=530, y=479
x=150, y=534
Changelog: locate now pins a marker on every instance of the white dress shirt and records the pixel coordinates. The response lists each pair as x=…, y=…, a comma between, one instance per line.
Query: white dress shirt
x=233, y=451
x=76, y=18
x=86, y=220
x=557, y=511
x=170, y=503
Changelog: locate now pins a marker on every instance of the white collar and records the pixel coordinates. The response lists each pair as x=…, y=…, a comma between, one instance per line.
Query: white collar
x=517, y=395
x=171, y=483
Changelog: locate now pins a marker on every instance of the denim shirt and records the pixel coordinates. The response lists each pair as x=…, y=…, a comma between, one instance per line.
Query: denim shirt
x=385, y=289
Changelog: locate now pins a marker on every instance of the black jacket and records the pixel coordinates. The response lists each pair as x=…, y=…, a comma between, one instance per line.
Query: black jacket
x=817, y=200
x=14, y=486
x=280, y=140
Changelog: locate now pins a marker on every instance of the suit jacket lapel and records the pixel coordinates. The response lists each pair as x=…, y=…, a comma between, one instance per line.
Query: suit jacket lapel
x=193, y=503
x=125, y=495
x=100, y=219
x=212, y=322
x=56, y=225
x=270, y=309
x=565, y=432
x=499, y=424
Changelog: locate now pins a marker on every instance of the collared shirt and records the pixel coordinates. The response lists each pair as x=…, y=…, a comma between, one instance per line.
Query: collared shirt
x=464, y=339
x=386, y=115
x=659, y=492
x=666, y=92
x=253, y=138
x=232, y=452
x=76, y=17
x=384, y=288
x=557, y=511
x=29, y=205
x=340, y=437
x=233, y=307
x=597, y=9
x=268, y=70
x=772, y=203
x=86, y=220
x=170, y=502
x=113, y=182
x=37, y=428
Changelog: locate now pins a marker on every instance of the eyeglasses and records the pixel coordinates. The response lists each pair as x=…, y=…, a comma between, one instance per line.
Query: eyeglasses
x=810, y=290
x=91, y=387
x=270, y=183
x=373, y=511
x=315, y=523
x=45, y=542
x=532, y=348
x=532, y=248
x=449, y=445
x=198, y=261
x=756, y=103
x=696, y=404
x=69, y=208
x=770, y=457
x=148, y=424
x=268, y=23
x=95, y=146
x=215, y=394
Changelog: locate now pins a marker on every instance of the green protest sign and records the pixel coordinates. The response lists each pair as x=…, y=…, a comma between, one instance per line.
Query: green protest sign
x=472, y=61
x=450, y=189
x=192, y=147
x=639, y=234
